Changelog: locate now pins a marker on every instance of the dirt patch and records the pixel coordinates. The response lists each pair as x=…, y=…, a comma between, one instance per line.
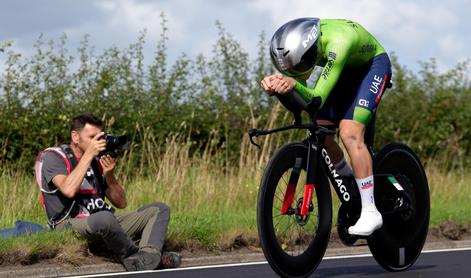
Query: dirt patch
x=75, y=255
x=23, y=257
x=450, y=231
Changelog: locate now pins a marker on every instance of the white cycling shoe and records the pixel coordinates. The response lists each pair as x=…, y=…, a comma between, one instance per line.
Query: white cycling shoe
x=370, y=220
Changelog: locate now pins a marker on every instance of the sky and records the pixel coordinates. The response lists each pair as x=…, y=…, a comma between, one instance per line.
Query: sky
x=415, y=30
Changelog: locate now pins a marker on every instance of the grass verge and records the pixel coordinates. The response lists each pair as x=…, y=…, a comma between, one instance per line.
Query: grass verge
x=212, y=201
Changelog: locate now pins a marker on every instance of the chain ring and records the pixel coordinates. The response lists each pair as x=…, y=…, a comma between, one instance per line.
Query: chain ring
x=345, y=220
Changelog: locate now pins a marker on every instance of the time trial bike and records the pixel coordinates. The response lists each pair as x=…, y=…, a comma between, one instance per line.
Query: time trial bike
x=294, y=207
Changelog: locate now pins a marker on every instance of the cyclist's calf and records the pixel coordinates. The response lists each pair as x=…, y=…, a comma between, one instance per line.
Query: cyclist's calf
x=352, y=135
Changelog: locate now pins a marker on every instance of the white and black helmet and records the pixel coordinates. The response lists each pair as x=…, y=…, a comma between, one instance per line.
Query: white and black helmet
x=293, y=47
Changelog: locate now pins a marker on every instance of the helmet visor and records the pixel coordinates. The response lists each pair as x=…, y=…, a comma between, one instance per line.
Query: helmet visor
x=306, y=64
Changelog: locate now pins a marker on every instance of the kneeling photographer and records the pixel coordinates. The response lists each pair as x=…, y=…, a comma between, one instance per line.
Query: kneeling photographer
x=75, y=179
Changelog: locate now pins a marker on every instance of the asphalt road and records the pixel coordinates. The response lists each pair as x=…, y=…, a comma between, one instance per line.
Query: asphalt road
x=444, y=263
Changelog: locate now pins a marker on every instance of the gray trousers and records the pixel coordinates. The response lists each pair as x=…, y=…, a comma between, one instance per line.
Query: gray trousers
x=147, y=226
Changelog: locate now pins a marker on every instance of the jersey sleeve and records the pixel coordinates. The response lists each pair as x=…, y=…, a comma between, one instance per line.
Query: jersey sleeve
x=337, y=55
x=53, y=165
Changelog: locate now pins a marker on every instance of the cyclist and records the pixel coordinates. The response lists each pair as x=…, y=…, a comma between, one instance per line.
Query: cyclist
x=355, y=71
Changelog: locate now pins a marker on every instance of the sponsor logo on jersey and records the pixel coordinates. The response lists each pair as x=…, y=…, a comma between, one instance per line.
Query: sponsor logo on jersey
x=328, y=68
x=375, y=84
x=363, y=102
x=332, y=55
x=368, y=48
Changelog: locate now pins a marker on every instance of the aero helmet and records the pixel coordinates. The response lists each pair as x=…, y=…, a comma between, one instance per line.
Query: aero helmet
x=293, y=47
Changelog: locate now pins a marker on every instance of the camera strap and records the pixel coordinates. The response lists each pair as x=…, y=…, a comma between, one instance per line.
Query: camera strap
x=70, y=156
x=94, y=165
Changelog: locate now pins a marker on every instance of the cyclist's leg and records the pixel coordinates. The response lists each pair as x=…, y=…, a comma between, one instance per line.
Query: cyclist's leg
x=352, y=131
x=352, y=134
x=335, y=152
x=330, y=115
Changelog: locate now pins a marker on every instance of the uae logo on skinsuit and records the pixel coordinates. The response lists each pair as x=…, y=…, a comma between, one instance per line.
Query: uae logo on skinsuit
x=374, y=87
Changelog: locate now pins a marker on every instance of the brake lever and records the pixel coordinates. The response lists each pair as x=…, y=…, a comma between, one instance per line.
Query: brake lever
x=254, y=132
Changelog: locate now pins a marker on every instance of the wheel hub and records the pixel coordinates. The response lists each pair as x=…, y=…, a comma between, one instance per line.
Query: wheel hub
x=300, y=219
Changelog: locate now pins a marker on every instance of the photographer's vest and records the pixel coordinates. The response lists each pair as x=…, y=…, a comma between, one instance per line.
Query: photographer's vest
x=89, y=199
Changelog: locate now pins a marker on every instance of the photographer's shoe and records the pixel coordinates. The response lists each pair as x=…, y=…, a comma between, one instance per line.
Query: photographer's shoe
x=370, y=220
x=141, y=260
x=170, y=260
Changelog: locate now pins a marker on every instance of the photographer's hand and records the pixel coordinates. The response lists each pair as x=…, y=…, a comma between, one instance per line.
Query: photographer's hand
x=97, y=144
x=115, y=192
x=107, y=163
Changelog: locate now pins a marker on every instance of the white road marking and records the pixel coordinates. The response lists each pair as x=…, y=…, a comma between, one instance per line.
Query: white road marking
x=251, y=263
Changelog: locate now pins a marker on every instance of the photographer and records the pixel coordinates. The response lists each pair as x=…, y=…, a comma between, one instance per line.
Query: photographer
x=76, y=178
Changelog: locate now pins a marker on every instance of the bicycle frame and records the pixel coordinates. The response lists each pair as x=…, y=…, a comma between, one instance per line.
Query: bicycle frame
x=315, y=141
x=345, y=187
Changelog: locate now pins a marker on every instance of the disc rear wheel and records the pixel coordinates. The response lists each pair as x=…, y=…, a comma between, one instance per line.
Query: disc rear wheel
x=402, y=197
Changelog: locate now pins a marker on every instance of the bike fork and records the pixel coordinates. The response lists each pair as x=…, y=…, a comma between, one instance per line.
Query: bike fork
x=309, y=186
x=291, y=188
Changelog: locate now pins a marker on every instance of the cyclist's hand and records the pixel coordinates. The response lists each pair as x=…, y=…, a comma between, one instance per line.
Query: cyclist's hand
x=96, y=145
x=283, y=84
x=267, y=84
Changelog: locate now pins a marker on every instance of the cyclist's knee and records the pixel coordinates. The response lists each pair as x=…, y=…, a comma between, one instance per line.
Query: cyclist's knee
x=352, y=137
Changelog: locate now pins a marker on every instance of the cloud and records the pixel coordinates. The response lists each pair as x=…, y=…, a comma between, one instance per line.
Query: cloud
x=415, y=30
x=22, y=18
x=131, y=17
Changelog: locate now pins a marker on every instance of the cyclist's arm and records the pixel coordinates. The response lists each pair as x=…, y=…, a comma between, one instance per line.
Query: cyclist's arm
x=336, y=58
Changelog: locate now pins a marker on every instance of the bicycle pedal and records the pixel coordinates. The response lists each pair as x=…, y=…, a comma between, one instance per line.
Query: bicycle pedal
x=361, y=241
x=359, y=244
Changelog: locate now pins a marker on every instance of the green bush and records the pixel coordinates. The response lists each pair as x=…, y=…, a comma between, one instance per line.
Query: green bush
x=211, y=101
x=431, y=111
x=201, y=98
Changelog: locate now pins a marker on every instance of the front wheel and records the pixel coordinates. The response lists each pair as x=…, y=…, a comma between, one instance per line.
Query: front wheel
x=402, y=197
x=293, y=244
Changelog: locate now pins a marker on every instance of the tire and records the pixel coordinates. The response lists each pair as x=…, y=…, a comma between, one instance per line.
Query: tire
x=288, y=255
x=397, y=245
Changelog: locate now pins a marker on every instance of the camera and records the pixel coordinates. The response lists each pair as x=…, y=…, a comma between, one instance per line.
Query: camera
x=115, y=145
